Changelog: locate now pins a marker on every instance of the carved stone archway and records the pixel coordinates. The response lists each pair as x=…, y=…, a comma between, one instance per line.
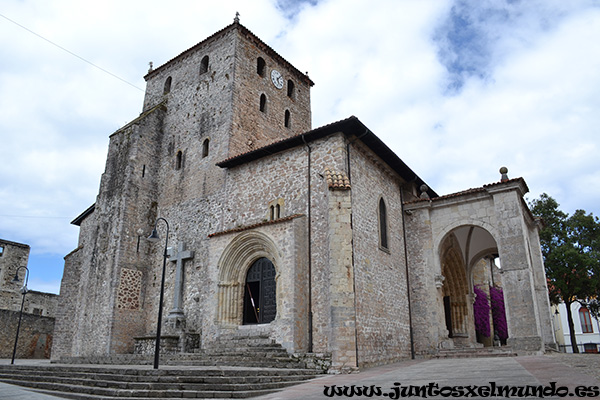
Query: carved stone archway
x=233, y=266
x=455, y=290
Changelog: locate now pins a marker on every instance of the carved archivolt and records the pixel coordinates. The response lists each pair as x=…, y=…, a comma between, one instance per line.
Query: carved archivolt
x=237, y=257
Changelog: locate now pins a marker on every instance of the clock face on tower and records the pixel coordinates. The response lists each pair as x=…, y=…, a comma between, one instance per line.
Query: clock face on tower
x=277, y=79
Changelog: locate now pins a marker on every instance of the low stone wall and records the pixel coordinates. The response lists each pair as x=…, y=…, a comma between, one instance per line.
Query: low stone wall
x=35, y=335
x=147, y=345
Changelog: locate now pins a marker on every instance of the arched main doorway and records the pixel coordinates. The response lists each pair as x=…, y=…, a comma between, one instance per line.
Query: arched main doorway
x=260, y=301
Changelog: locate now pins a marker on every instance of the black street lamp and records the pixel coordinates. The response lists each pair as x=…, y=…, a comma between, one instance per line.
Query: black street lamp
x=24, y=292
x=155, y=238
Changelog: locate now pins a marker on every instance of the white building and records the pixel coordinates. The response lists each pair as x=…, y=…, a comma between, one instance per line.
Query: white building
x=587, y=328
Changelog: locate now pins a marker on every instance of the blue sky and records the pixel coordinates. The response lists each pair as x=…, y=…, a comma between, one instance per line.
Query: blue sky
x=456, y=88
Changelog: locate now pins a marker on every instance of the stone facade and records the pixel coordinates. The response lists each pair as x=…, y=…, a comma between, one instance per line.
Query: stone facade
x=39, y=308
x=223, y=160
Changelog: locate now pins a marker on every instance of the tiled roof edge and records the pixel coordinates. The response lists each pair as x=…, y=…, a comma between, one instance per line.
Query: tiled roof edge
x=259, y=224
x=467, y=191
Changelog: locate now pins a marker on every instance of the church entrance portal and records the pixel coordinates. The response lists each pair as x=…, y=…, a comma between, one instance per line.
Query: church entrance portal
x=260, y=304
x=465, y=255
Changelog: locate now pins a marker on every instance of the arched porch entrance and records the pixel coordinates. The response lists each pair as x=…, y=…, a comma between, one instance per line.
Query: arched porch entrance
x=471, y=274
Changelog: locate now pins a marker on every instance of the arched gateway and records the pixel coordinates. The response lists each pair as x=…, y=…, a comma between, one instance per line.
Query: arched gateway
x=467, y=256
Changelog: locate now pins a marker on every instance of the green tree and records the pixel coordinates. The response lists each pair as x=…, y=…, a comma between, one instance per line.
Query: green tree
x=571, y=250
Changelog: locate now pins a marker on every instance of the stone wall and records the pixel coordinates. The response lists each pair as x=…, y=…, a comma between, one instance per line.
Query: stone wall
x=253, y=128
x=382, y=311
x=12, y=256
x=35, y=335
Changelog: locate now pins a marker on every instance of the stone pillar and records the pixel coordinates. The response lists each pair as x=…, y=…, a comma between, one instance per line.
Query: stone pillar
x=517, y=279
x=541, y=288
x=343, y=312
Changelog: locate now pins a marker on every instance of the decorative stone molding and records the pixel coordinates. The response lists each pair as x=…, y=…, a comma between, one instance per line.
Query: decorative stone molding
x=439, y=281
x=237, y=257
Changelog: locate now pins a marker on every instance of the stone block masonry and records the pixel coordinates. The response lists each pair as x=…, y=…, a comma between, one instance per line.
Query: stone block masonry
x=35, y=335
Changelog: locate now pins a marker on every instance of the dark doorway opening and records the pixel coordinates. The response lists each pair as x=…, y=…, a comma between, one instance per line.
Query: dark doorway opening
x=260, y=303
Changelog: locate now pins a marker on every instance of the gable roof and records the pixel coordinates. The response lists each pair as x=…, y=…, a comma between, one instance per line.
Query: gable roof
x=349, y=127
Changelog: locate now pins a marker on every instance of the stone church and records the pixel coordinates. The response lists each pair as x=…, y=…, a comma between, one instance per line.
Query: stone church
x=323, y=239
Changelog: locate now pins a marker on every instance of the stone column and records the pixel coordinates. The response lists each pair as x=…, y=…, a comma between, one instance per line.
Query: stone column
x=343, y=312
x=517, y=279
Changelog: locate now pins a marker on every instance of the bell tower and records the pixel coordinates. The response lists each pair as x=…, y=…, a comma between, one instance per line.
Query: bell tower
x=232, y=89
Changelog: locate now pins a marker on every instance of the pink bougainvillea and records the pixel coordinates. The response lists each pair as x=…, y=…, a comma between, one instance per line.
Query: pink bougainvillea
x=481, y=311
x=498, y=314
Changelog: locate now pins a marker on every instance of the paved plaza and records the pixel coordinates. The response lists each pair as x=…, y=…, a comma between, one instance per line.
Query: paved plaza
x=566, y=370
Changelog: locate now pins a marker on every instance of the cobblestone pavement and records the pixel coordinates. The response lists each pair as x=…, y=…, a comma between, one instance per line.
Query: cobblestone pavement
x=570, y=370
x=588, y=364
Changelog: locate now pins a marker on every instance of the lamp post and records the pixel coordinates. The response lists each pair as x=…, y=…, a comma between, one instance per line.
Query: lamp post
x=155, y=238
x=23, y=291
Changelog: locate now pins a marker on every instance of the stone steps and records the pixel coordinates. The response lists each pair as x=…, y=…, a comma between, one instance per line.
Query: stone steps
x=111, y=382
x=259, y=359
x=236, y=366
x=239, y=350
x=468, y=352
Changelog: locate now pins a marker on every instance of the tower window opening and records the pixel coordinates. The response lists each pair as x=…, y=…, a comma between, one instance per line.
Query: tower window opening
x=286, y=121
x=205, y=148
x=179, y=160
x=261, y=66
x=383, y=237
x=167, y=87
x=263, y=103
x=290, y=89
x=204, y=65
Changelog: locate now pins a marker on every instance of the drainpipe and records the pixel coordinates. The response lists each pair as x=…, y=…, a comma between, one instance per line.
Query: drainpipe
x=410, y=324
x=310, y=313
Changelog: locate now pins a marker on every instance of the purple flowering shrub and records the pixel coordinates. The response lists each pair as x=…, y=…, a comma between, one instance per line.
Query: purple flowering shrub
x=481, y=311
x=498, y=314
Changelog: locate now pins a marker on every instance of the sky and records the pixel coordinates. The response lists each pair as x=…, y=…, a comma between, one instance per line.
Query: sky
x=456, y=88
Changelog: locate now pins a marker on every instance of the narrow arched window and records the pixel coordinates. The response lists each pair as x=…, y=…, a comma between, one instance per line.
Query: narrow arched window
x=204, y=65
x=263, y=103
x=277, y=211
x=290, y=89
x=286, y=121
x=383, y=234
x=205, y=148
x=586, y=320
x=167, y=87
x=178, y=160
x=261, y=66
